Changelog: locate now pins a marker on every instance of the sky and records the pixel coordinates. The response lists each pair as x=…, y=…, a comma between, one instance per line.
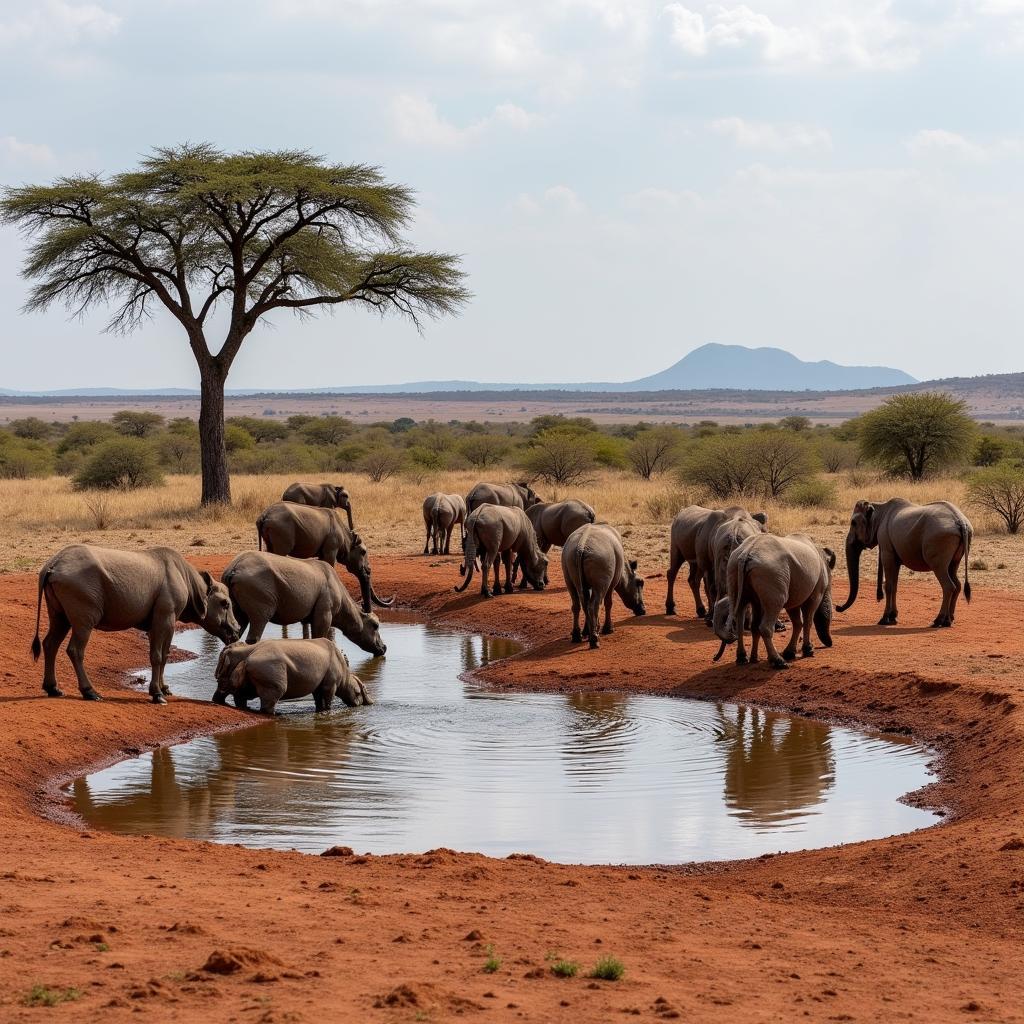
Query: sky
x=624, y=180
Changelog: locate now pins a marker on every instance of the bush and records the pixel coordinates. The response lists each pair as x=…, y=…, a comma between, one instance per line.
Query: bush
x=327, y=430
x=291, y=457
x=124, y=464
x=989, y=450
x=32, y=428
x=812, y=493
x=380, y=464
x=482, y=451
x=263, y=431
x=179, y=452
x=237, y=439
x=654, y=451
x=723, y=465
x=608, y=968
x=562, y=455
x=21, y=458
x=836, y=455
x=565, y=968
x=1000, y=489
x=81, y=436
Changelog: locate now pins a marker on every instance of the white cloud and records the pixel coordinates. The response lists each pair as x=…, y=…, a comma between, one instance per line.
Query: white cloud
x=658, y=200
x=932, y=142
x=17, y=151
x=417, y=120
x=775, y=137
x=558, y=197
x=57, y=21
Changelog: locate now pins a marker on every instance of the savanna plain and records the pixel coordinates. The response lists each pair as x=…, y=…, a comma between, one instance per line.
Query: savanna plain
x=925, y=926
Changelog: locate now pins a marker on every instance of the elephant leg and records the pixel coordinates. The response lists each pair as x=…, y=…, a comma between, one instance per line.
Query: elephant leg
x=712, y=594
x=954, y=568
x=593, y=613
x=809, y=609
x=426, y=543
x=890, y=575
x=160, y=633
x=517, y=568
x=693, y=578
x=256, y=628
x=755, y=633
x=59, y=629
x=741, y=651
x=606, y=629
x=241, y=701
x=485, y=569
x=507, y=560
x=574, y=597
x=767, y=632
x=796, y=617
x=448, y=539
x=673, y=570
x=76, y=652
x=946, y=575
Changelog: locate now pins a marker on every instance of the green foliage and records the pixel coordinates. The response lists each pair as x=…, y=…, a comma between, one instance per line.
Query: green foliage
x=237, y=439
x=654, y=451
x=262, y=430
x=288, y=457
x=43, y=995
x=989, y=450
x=812, y=493
x=31, y=428
x=565, y=968
x=183, y=425
x=179, y=452
x=81, y=436
x=916, y=433
x=136, y=423
x=721, y=465
x=835, y=455
x=327, y=430
x=608, y=968
x=122, y=464
x=382, y=463
x=484, y=450
x=540, y=424
x=493, y=963
x=402, y=424
x=1000, y=489
x=562, y=455
x=762, y=462
x=22, y=458
x=798, y=424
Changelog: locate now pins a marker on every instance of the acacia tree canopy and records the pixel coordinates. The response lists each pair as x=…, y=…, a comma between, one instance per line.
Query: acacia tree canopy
x=194, y=229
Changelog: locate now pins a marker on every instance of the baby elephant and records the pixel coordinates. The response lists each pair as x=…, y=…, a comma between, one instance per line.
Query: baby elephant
x=766, y=574
x=594, y=566
x=498, y=534
x=276, y=670
x=441, y=514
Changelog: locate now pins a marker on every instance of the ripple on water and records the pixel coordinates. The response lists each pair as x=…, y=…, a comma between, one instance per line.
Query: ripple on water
x=589, y=778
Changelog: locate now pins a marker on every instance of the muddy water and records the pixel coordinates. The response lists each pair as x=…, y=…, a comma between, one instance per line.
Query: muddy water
x=584, y=778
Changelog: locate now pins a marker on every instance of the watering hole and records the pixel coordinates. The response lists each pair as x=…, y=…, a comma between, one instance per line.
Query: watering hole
x=579, y=778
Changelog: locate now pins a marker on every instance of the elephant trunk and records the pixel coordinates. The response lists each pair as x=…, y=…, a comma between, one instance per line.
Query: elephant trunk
x=365, y=591
x=348, y=512
x=823, y=619
x=469, y=560
x=380, y=601
x=853, y=550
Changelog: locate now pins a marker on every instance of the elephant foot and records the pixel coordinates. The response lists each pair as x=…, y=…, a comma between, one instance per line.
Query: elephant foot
x=158, y=698
x=90, y=695
x=509, y=589
x=576, y=638
x=166, y=691
x=780, y=626
x=220, y=698
x=789, y=655
x=885, y=620
x=941, y=623
x=486, y=593
x=807, y=651
x=594, y=644
x=670, y=607
x=702, y=612
x=779, y=665
x=606, y=630
x=741, y=658
x=53, y=691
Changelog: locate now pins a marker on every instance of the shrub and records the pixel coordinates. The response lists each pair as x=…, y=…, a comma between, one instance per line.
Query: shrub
x=380, y=464
x=1000, y=489
x=262, y=430
x=812, y=493
x=565, y=968
x=81, y=436
x=661, y=508
x=123, y=464
x=291, y=457
x=781, y=459
x=31, y=428
x=561, y=456
x=797, y=424
x=21, y=458
x=654, y=451
x=42, y=995
x=327, y=430
x=132, y=423
x=608, y=968
x=493, y=963
x=484, y=450
x=237, y=439
x=836, y=455
x=723, y=465
x=989, y=450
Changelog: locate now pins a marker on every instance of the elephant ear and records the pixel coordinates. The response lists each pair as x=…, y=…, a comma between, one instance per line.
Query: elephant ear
x=633, y=565
x=207, y=579
x=830, y=558
x=760, y=517
x=869, y=510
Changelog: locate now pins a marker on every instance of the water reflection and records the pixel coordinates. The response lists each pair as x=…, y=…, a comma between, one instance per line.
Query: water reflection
x=593, y=777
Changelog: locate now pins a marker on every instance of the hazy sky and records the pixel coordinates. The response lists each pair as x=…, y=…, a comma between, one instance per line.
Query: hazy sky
x=627, y=180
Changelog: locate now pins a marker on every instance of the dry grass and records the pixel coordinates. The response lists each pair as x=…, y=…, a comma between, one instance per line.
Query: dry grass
x=40, y=516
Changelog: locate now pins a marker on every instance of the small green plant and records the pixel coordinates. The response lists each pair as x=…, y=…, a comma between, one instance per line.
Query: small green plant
x=42, y=995
x=565, y=968
x=812, y=493
x=493, y=963
x=102, y=947
x=608, y=968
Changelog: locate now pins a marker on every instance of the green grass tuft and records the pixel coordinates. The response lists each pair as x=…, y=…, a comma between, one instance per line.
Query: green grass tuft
x=565, y=968
x=42, y=995
x=608, y=968
x=492, y=963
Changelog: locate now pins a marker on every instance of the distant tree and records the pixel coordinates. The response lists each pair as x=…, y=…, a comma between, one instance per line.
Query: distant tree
x=795, y=423
x=327, y=430
x=723, y=465
x=237, y=439
x=180, y=452
x=1000, y=489
x=654, y=451
x=916, y=433
x=382, y=463
x=183, y=425
x=989, y=450
x=835, y=454
x=32, y=428
x=84, y=435
x=781, y=458
x=262, y=431
x=194, y=228
x=482, y=451
x=402, y=424
x=299, y=420
x=133, y=423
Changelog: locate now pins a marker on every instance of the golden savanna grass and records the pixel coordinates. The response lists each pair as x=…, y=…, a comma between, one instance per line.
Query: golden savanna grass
x=40, y=516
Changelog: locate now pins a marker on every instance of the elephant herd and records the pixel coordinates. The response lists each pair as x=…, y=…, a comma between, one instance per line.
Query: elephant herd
x=748, y=577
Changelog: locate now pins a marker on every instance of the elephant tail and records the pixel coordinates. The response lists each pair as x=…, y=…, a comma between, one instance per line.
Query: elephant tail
x=580, y=571
x=259, y=533
x=435, y=522
x=737, y=581
x=37, y=647
x=966, y=535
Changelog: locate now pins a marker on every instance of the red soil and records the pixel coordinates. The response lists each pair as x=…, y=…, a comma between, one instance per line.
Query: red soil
x=926, y=926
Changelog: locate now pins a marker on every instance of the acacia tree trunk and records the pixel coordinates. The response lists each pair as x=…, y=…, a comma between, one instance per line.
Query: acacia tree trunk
x=213, y=452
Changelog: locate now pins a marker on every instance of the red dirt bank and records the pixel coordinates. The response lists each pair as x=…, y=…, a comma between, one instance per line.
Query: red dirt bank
x=924, y=927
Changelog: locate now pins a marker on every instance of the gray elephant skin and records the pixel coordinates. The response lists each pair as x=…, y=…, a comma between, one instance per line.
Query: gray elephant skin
x=88, y=587
x=441, y=514
x=554, y=522
x=691, y=541
x=305, y=531
x=767, y=574
x=594, y=566
x=498, y=534
x=320, y=495
x=925, y=538
x=519, y=495
x=266, y=588
x=276, y=670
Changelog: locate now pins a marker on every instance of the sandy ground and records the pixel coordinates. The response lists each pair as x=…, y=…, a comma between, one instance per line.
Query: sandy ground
x=923, y=927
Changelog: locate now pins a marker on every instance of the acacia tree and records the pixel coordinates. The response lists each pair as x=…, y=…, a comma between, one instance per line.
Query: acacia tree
x=194, y=230
x=916, y=433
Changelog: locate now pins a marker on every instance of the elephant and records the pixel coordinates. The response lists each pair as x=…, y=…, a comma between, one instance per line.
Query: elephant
x=441, y=514
x=321, y=495
x=769, y=574
x=276, y=670
x=304, y=531
x=88, y=587
x=520, y=495
x=935, y=537
x=594, y=565
x=265, y=588
x=692, y=531
x=726, y=537
x=554, y=522
x=499, y=533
